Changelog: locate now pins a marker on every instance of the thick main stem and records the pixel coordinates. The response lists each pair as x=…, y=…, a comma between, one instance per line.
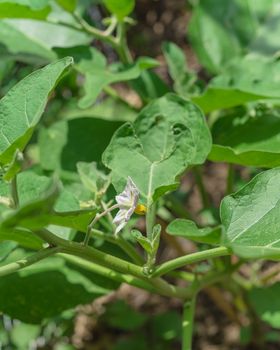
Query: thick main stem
x=111, y=262
x=187, y=324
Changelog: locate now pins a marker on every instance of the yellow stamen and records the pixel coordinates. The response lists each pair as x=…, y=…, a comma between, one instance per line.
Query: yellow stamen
x=140, y=209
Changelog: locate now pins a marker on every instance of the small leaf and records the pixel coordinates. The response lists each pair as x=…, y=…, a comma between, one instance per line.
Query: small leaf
x=177, y=66
x=142, y=240
x=251, y=217
x=92, y=178
x=97, y=75
x=188, y=229
x=169, y=135
x=120, y=8
x=156, y=238
x=22, y=107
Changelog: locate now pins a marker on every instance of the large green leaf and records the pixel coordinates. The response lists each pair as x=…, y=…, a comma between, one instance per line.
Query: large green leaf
x=53, y=286
x=38, y=38
x=251, y=217
x=247, y=140
x=214, y=98
x=188, y=229
x=98, y=75
x=22, y=107
x=252, y=74
x=23, y=9
x=169, y=135
x=266, y=303
x=219, y=30
x=246, y=79
x=65, y=143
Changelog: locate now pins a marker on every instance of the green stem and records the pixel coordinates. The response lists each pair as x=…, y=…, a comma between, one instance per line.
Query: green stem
x=14, y=191
x=129, y=250
x=104, y=271
x=94, y=221
x=111, y=262
x=230, y=179
x=150, y=220
x=187, y=325
x=190, y=259
x=122, y=47
x=96, y=33
x=201, y=188
x=22, y=263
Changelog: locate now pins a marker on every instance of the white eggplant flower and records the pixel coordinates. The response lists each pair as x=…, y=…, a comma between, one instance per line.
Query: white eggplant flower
x=128, y=204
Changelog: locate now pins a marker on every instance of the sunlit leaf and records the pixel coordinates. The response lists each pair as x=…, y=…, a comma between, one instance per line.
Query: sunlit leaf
x=169, y=135
x=251, y=217
x=22, y=107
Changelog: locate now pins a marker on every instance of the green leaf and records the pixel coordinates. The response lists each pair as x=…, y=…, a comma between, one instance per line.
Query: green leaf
x=149, y=86
x=251, y=217
x=32, y=214
x=219, y=31
x=266, y=40
x=266, y=304
x=188, y=229
x=121, y=316
x=18, y=9
x=53, y=286
x=22, y=107
x=92, y=178
x=68, y=5
x=29, y=38
x=215, y=98
x=120, y=8
x=251, y=74
x=66, y=143
x=142, y=240
x=23, y=335
x=169, y=135
x=246, y=140
x=98, y=75
x=14, y=167
x=177, y=66
x=33, y=4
